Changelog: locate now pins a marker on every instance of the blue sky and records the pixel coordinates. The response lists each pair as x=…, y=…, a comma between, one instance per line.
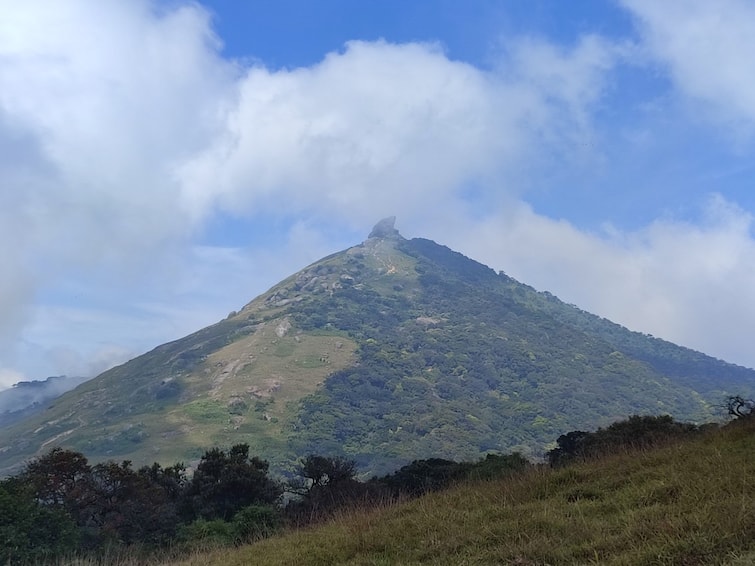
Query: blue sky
x=163, y=162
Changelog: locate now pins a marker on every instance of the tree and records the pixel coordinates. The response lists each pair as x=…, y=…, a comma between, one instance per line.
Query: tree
x=29, y=531
x=126, y=507
x=321, y=470
x=327, y=483
x=172, y=479
x=739, y=407
x=225, y=483
x=109, y=502
x=59, y=478
x=569, y=446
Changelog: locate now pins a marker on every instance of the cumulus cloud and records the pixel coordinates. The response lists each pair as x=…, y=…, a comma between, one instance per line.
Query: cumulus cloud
x=99, y=102
x=707, y=49
x=126, y=131
x=106, y=98
x=380, y=124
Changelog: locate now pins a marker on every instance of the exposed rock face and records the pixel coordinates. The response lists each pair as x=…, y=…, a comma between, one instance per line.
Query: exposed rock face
x=283, y=327
x=385, y=229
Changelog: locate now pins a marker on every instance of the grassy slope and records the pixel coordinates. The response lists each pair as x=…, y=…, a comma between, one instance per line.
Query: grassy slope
x=267, y=374
x=689, y=503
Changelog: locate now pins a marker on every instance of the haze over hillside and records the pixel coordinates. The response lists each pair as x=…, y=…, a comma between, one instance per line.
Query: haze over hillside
x=386, y=352
x=28, y=397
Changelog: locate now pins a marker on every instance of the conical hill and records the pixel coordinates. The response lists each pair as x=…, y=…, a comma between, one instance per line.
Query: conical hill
x=389, y=351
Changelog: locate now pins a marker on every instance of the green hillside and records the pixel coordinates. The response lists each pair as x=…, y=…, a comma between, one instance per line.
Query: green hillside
x=457, y=360
x=387, y=352
x=689, y=503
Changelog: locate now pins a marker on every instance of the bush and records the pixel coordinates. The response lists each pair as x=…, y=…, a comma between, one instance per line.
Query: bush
x=422, y=476
x=256, y=522
x=249, y=524
x=637, y=432
x=203, y=534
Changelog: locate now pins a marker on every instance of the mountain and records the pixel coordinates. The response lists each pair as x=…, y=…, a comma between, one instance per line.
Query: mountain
x=389, y=351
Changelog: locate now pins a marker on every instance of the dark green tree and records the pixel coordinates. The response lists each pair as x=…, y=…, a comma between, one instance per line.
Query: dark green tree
x=570, y=446
x=422, y=476
x=322, y=471
x=60, y=478
x=225, y=483
x=109, y=503
x=636, y=432
x=126, y=507
x=172, y=479
x=326, y=484
x=32, y=533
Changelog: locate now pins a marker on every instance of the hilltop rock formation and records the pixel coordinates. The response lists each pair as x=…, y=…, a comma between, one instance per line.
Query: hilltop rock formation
x=385, y=229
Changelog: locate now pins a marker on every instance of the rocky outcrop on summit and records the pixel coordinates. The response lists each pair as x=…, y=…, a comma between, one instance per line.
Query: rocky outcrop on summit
x=385, y=229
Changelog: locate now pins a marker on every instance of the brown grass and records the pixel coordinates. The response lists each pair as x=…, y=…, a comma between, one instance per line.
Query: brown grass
x=685, y=504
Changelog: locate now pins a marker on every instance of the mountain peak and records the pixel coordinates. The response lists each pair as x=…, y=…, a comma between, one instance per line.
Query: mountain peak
x=385, y=229
x=390, y=351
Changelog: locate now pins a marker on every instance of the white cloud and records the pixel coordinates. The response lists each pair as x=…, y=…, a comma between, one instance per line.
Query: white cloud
x=107, y=98
x=99, y=102
x=8, y=377
x=380, y=125
x=707, y=48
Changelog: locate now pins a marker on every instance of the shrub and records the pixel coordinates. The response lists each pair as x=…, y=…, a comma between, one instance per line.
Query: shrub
x=256, y=522
x=202, y=534
x=637, y=432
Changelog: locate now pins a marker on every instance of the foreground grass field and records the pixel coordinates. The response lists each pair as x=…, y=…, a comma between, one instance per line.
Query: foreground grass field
x=689, y=503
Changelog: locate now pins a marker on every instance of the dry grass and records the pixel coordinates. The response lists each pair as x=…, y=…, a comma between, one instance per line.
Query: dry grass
x=684, y=504
x=262, y=370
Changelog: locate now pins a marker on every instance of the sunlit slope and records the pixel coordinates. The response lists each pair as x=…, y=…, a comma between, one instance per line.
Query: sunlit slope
x=239, y=380
x=688, y=503
x=387, y=352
